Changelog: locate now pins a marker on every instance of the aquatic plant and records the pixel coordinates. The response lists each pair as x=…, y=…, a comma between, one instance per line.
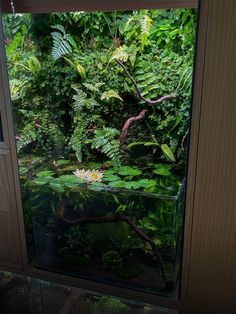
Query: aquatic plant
x=112, y=260
x=89, y=175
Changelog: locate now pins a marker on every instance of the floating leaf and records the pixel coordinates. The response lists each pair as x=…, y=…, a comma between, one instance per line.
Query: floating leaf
x=44, y=174
x=61, y=162
x=57, y=187
x=97, y=186
x=128, y=171
x=40, y=181
x=132, y=185
x=117, y=184
x=70, y=179
x=110, y=177
x=147, y=183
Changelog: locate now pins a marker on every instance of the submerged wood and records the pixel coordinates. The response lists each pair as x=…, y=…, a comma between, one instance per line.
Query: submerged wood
x=116, y=218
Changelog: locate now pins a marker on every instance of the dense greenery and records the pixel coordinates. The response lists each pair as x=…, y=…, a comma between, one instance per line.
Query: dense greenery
x=85, y=86
x=69, y=92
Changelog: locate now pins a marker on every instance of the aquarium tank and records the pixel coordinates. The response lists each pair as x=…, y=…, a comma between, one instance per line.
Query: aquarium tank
x=101, y=102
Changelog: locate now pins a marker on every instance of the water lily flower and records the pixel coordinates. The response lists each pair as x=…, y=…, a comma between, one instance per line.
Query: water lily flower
x=89, y=175
x=94, y=176
x=80, y=173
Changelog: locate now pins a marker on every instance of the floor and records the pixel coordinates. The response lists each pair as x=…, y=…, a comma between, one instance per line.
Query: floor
x=22, y=295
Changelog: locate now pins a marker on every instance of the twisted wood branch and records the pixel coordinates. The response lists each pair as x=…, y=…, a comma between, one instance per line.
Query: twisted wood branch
x=149, y=102
x=128, y=123
x=116, y=218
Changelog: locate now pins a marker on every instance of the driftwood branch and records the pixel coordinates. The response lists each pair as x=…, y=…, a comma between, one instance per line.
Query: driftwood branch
x=149, y=102
x=116, y=218
x=128, y=123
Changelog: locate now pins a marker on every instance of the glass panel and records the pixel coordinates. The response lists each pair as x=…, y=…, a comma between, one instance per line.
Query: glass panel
x=64, y=299
x=20, y=294
x=102, y=109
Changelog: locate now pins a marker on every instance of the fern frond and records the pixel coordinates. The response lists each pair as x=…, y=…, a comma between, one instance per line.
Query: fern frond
x=27, y=136
x=77, y=140
x=105, y=139
x=146, y=24
x=93, y=87
x=62, y=42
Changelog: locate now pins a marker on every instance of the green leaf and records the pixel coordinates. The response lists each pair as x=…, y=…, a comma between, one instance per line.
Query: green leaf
x=162, y=170
x=70, y=179
x=110, y=177
x=135, y=144
x=151, y=144
x=120, y=54
x=147, y=183
x=107, y=95
x=57, y=187
x=81, y=70
x=34, y=65
x=40, y=181
x=96, y=186
x=117, y=184
x=167, y=152
x=61, y=162
x=132, y=185
x=45, y=174
x=128, y=171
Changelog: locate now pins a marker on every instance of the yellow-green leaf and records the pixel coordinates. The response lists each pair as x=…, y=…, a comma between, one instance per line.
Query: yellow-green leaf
x=167, y=152
x=110, y=94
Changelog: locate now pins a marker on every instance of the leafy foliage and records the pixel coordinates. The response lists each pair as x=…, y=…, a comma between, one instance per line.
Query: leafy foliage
x=157, y=47
x=106, y=140
x=62, y=42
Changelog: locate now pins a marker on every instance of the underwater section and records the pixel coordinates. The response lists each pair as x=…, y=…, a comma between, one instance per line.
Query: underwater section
x=102, y=231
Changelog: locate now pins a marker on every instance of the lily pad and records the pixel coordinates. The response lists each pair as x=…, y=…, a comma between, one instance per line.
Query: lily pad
x=96, y=186
x=132, y=185
x=117, y=184
x=147, y=183
x=57, y=187
x=128, y=171
x=40, y=181
x=70, y=180
x=110, y=177
x=45, y=174
x=61, y=162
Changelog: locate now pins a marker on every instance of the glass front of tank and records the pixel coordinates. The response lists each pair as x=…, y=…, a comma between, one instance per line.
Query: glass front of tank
x=101, y=102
